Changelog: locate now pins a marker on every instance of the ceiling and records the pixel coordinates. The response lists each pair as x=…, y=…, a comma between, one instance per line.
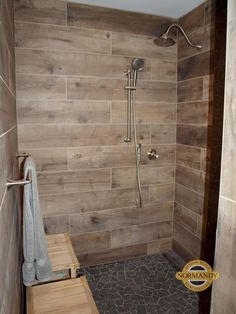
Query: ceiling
x=171, y=8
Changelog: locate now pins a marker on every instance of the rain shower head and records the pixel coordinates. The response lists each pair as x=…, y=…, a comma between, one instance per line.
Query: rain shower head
x=137, y=64
x=166, y=41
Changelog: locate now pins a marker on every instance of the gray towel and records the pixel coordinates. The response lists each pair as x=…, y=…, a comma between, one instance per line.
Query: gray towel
x=37, y=265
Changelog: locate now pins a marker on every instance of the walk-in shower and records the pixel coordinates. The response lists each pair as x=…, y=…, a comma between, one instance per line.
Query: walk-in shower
x=166, y=41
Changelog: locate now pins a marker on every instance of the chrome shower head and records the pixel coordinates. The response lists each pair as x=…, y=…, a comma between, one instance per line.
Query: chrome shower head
x=137, y=64
x=166, y=41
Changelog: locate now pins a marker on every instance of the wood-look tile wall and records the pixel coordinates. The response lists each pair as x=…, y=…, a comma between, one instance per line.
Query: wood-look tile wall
x=10, y=222
x=194, y=120
x=71, y=108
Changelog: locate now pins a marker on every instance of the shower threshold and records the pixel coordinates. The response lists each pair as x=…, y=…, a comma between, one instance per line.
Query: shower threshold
x=142, y=285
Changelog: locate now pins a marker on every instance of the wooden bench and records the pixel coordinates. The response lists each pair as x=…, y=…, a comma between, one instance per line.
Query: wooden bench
x=62, y=256
x=70, y=296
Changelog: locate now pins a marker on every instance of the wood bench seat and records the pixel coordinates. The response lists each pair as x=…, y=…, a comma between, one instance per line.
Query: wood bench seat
x=70, y=296
x=62, y=256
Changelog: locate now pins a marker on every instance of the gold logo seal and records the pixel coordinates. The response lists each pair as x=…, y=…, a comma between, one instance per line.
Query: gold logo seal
x=197, y=275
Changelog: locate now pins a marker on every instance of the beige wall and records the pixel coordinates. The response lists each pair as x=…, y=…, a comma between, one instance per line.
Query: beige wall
x=71, y=108
x=194, y=122
x=224, y=290
x=10, y=227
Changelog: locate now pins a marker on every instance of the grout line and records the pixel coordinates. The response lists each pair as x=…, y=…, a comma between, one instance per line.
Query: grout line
x=104, y=54
x=8, y=131
x=227, y=199
x=94, y=77
x=3, y=198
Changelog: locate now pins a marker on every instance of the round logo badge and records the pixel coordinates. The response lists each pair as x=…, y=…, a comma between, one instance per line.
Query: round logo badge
x=197, y=275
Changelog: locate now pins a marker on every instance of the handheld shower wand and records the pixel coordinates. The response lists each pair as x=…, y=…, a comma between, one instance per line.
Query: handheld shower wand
x=137, y=65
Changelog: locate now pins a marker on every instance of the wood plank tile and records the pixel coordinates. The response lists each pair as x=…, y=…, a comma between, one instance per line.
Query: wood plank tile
x=56, y=224
x=6, y=19
x=164, y=70
x=47, y=136
x=161, y=193
x=8, y=164
x=159, y=246
x=4, y=57
x=163, y=133
x=191, y=90
x=196, y=66
x=35, y=87
x=182, y=252
x=156, y=174
x=96, y=89
x=115, y=156
x=189, y=241
x=119, y=218
x=185, y=218
x=97, y=17
x=205, y=159
x=3, y=168
x=193, y=112
x=124, y=44
x=166, y=154
x=191, y=178
x=49, y=159
x=189, y=199
x=108, y=256
x=31, y=35
x=193, y=135
x=48, y=12
x=7, y=109
x=12, y=75
x=194, y=19
x=89, y=242
x=146, y=112
x=73, y=63
x=62, y=112
x=73, y=181
x=188, y=156
x=224, y=291
x=201, y=36
x=89, y=201
x=101, y=156
x=140, y=233
x=113, y=89
x=208, y=87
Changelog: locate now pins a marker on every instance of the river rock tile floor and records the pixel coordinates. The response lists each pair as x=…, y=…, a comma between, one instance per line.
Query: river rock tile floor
x=143, y=285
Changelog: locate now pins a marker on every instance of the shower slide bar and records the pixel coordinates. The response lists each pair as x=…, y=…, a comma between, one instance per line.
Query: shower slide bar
x=10, y=182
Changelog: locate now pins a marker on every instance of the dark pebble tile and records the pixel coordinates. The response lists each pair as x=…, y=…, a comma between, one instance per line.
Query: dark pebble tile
x=143, y=285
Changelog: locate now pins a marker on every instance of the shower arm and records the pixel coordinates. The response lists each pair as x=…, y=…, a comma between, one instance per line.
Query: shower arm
x=184, y=35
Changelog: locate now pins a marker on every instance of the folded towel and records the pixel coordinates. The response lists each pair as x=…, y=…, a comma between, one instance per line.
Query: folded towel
x=37, y=265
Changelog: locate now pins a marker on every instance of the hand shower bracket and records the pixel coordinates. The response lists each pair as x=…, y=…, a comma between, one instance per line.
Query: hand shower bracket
x=130, y=88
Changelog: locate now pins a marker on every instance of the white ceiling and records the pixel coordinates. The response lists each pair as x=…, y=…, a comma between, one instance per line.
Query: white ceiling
x=171, y=8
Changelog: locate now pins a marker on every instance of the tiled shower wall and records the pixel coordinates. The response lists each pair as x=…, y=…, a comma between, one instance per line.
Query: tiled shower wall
x=224, y=289
x=10, y=222
x=71, y=107
x=194, y=128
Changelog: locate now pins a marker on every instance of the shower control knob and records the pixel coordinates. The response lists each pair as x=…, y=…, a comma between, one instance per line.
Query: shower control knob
x=152, y=154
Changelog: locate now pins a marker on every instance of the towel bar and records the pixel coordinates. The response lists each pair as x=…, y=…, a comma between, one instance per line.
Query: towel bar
x=23, y=155
x=23, y=182
x=10, y=183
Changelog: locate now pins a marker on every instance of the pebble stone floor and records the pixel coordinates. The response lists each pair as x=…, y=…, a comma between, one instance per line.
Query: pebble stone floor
x=142, y=285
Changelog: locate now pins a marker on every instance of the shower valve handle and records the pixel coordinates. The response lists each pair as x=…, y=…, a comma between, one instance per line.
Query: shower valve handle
x=152, y=154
